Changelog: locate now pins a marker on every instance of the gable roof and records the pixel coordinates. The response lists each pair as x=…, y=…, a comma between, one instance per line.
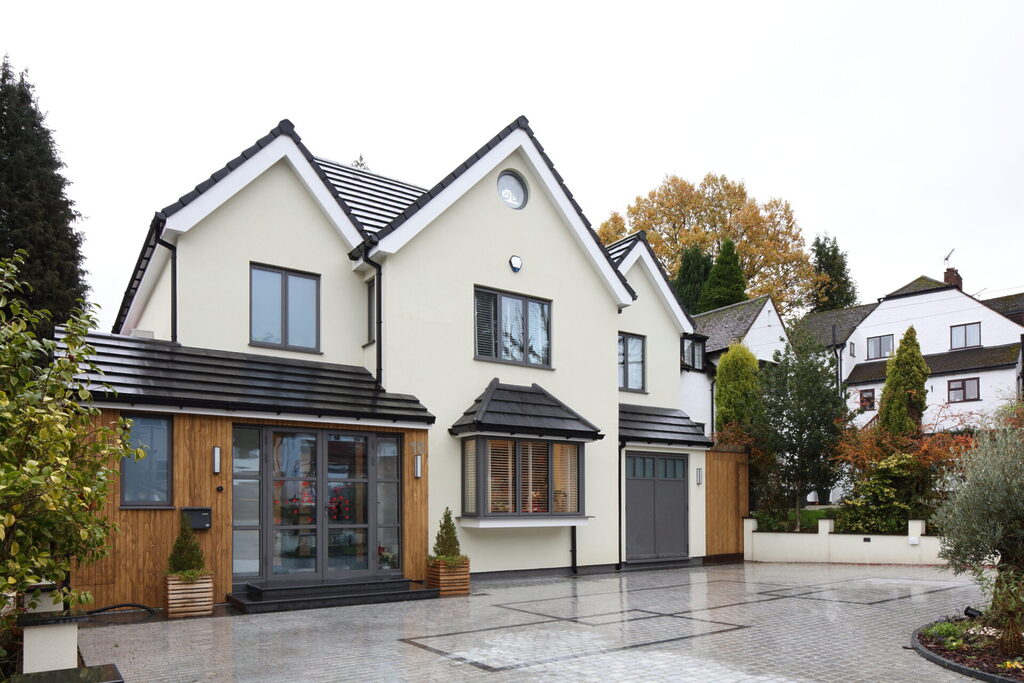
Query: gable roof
x=627, y=251
x=919, y=285
x=722, y=326
x=845, y=321
x=646, y=424
x=520, y=410
x=949, y=362
x=1007, y=305
x=618, y=250
x=147, y=372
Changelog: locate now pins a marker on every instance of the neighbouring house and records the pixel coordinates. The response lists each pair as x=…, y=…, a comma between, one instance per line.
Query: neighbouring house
x=971, y=346
x=754, y=323
x=534, y=383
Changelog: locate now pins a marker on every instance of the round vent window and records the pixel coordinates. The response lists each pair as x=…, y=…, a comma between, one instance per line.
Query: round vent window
x=512, y=190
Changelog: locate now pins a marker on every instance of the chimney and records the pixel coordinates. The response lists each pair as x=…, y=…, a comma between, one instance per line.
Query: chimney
x=952, y=277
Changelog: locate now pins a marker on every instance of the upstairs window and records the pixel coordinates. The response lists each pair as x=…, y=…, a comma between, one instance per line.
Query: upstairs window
x=965, y=336
x=879, y=347
x=693, y=352
x=284, y=308
x=853, y=350
x=961, y=390
x=867, y=399
x=512, y=328
x=503, y=477
x=632, y=349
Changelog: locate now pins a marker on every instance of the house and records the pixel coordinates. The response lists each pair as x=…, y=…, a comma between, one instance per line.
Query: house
x=972, y=347
x=322, y=359
x=755, y=323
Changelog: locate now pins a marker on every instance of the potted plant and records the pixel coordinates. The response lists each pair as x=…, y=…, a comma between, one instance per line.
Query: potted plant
x=189, y=585
x=447, y=567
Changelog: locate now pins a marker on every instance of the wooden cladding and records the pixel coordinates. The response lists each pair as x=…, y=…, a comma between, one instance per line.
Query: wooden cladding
x=727, y=501
x=135, y=569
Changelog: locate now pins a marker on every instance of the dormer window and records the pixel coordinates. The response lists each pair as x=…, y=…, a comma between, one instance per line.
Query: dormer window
x=693, y=352
x=965, y=336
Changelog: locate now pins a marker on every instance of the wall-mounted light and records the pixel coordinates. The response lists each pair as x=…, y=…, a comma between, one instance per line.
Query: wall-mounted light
x=216, y=459
x=700, y=476
x=417, y=466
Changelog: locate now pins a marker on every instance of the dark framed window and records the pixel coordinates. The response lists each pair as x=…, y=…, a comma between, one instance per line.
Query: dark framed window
x=879, y=347
x=284, y=308
x=632, y=368
x=961, y=390
x=853, y=350
x=512, y=328
x=246, y=444
x=148, y=482
x=867, y=399
x=965, y=336
x=693, y=352
x=521, y=477
x=371, y=311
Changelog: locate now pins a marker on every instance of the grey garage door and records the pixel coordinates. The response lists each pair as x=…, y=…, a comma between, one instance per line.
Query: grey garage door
x=656, y=506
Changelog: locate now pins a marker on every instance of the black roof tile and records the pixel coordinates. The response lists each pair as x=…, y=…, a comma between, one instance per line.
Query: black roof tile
x=645, y=424
x=722, y=326
x=617, y=252
x=950, y=362
x=526, y=411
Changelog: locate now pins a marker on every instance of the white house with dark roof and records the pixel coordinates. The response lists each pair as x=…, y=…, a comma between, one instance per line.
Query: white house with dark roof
x=973, y=348
x=754, y=323
x=534, y=382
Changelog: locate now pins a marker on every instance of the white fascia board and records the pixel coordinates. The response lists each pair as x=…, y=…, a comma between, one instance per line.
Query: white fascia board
x=516, y=140
x=283, y=147
x=284, y=417
x=520, y=522
x=150, y=276
x=640, y=253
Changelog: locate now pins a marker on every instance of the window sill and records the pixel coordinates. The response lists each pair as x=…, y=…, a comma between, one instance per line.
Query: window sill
x=532, y=366
x=633, y=391
x=281, y=347
x=521, y=522
x=965, y=348
x=966, y=400
x=147, y=507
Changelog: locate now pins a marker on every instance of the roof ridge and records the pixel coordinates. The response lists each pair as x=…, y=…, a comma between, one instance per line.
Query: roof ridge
x=325, y=160
x=738, y=303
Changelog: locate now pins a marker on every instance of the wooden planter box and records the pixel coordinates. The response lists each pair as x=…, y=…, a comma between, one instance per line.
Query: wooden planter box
x=451, y=580
x=189, y=599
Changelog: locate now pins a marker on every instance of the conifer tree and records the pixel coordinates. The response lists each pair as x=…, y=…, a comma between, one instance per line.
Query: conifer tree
x=35, y=212
x=738, y=397
x=836, y=290
x=904, y=397
x=725, y=284
x=694, y=268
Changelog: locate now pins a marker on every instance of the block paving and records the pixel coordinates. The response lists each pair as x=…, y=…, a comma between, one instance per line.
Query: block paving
x=745, y=622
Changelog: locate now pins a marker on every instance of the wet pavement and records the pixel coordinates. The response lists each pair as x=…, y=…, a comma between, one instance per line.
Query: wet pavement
x=745, y=622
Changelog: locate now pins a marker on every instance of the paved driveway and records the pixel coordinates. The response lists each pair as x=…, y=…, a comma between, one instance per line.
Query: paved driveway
x=752, y=622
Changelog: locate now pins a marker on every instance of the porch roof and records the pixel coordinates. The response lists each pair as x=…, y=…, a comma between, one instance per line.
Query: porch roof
x=520, y=410
x=648, y=424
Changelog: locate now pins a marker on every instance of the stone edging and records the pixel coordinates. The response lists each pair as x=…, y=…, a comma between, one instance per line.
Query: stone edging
x=950, y=664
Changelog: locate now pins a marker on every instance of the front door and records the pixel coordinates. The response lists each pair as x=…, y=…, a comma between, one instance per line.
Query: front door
x=656, y=507
x=334, y=508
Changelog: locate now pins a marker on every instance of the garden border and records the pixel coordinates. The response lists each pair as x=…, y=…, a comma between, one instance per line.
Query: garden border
x=950, y=664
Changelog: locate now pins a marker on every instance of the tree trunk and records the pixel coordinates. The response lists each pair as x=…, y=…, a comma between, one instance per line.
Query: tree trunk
x=797, y=513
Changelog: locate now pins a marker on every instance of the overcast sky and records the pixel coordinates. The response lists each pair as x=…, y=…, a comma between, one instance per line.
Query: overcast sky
x=896, y=127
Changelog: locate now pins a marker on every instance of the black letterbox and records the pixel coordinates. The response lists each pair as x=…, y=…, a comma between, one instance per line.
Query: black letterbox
x=199, y=518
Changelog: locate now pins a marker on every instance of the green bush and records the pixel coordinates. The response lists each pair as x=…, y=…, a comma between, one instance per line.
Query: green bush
x=776, y=522
x=947, y=629
x=186, y=560
x=893, y=492
x=446, y=543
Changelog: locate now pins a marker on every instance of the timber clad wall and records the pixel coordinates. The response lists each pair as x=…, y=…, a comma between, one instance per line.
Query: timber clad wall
x=727, y=500
x=135, y=569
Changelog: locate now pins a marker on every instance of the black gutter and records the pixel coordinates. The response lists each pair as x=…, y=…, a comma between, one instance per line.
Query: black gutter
x=620, y=460
x=363, y=252
x=572, y=549
x=174, y=285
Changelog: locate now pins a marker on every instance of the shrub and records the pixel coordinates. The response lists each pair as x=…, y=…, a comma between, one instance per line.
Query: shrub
x=894, y=491
x=186, y=560
x=904, y=397
x=446, y=543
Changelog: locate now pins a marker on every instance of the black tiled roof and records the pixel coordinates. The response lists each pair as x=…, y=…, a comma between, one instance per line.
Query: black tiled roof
x=373, y=199
x=722, y=326
x=918, y=285
x=1007, y=305
x=148, y=372
x=844, y=319
x=950, y=362
x=521, y=410
x=644, y=424
x=618, y=250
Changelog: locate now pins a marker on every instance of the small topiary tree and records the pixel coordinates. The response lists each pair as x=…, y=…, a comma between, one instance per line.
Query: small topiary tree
x=186, y=560
x=446, y=543
x=904, y=397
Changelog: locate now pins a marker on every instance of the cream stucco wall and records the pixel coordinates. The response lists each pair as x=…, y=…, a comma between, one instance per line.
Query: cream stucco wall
x=156, y=316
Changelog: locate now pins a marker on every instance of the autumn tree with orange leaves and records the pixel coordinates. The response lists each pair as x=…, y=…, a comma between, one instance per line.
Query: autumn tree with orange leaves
x=678, y=214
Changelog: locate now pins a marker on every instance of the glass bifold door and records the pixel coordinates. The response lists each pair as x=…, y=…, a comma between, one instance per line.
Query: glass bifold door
x=311, y=505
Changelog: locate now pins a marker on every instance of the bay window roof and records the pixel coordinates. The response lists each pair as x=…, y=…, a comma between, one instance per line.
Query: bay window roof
x=523, y=410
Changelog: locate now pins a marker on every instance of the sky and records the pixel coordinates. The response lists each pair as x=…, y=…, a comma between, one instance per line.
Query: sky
x=894, y=127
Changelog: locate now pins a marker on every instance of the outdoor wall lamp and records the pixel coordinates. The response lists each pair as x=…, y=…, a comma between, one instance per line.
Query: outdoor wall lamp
x=700, y=476
x=417, y=466
x=216, y=459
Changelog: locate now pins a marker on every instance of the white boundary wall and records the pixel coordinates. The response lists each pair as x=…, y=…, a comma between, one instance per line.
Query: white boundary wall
x=826, y=546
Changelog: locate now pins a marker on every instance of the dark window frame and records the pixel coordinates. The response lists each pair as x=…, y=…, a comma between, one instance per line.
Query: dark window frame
x=259, y=526
x=483, y=474
x=624, y=337
x=526, y=299
x=963, y=389
x=892, y=346
x=697, y=341
x=867, y=400
x=169, y=505
x=284, y=273
x=853, y=350
x=966, y=345
x=371, y=311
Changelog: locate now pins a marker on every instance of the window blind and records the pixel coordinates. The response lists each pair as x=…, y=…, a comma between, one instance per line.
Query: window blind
x=565, y=477
x=486, y=324
x=534, y=490
x=501, y=458
x=469, y=476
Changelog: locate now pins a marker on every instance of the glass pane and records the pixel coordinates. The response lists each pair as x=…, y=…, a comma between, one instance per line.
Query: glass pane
x=346, y=549
x=294, y=455
x=387, y=458
x=649, y=468
x=245, y=502
x=873, y=347
x=388, y=549
x=302, y=312
x=534, y=487
x=959, y=337
x=512, y=333
x=956, y=391
x=501, y=486
x=245, y=450
x=698, y=355
x=887, y=345
x=294, y=551
x=486, y=319
x=688, y=352
x=265, y=315
x=387, y=504
x=974, y=335
x=630, y=467
x=469, y=476
x=971, y=389
x=346, y=457
x=147, y=481
x=622, y=362
x=245, y=552
x=565, y=478
x=294, y=502
x=540, y=328
x=662, y=463
x=346, y=502
x=635, y=352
